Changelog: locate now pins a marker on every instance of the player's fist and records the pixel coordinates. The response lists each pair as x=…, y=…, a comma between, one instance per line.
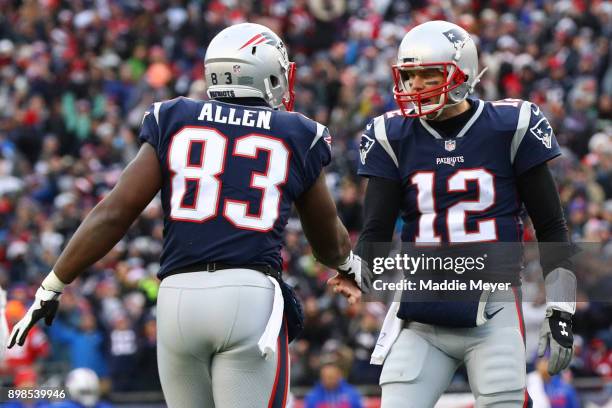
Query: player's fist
x=557, y=333
x=355, y=268
x=346, y=287
x=44, y=307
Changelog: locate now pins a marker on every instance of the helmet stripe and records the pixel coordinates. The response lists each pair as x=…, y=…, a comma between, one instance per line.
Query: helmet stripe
x=262, y=40
x=255, y=38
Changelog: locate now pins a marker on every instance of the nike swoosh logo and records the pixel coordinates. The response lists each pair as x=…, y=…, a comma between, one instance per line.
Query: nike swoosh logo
x=368, y=126
x=490, y=315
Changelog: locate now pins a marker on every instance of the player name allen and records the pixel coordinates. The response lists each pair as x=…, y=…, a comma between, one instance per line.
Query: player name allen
x=224, y=114
x=445, y=285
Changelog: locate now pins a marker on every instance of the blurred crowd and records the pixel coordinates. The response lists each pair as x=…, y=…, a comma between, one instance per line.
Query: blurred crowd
x=76, y=77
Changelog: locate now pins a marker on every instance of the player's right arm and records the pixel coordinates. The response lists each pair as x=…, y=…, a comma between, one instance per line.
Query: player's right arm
x=379, y=163
x=380, y=210
x=103, y=227
x=106, y=224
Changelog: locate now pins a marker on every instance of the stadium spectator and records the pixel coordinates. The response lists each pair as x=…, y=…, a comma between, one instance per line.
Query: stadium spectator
x=559, y=390
x=333, y=390
x=26, y=359
x=84, y=342
x=123, y=356
x=83, y=387
x=148, y=377
x=75, y=81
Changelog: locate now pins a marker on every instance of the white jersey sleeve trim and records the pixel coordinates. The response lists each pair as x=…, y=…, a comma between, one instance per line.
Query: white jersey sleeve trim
x=320, y=130
x=156, y=108
x=521, y=128
x=380, y=133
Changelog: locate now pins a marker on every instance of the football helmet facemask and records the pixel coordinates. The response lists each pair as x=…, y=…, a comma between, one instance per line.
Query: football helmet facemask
x=250, y=60
x=435, y=45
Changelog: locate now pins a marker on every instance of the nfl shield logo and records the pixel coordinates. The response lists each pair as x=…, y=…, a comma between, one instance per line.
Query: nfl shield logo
x=450, y=145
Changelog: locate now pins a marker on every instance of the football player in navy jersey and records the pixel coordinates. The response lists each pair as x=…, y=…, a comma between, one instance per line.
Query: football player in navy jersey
x=457, y=170
x=229, y=170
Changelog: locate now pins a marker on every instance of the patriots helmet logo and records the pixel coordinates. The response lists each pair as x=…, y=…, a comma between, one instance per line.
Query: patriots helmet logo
x=262, y=38
x=365, y=146
x=456, y=37
x=543, y=132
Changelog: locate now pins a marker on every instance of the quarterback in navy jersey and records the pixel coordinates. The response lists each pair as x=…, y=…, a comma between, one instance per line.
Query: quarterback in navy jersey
x=229, y=170
x=458, y=171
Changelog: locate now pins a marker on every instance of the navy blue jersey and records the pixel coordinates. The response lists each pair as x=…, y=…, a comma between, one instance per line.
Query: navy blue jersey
x=230, y=175
x=462, y=188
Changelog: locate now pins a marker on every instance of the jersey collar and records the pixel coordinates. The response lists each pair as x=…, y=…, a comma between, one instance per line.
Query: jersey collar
x=463, y=130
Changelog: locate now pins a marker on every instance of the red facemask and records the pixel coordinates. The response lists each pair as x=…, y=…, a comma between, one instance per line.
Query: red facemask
x=288, y=102
x=408, y=100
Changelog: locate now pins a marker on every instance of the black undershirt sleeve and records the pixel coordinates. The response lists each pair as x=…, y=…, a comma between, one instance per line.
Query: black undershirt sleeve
x=381, y=209
x=538, y=191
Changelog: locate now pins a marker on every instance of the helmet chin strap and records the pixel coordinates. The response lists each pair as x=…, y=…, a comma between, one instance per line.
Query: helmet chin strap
x=269, y=92
x=477, y=79
x=435, y=115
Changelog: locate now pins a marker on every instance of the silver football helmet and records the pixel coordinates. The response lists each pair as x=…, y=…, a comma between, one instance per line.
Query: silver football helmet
x=442, y=45
x=83, y=386
x=250, y=60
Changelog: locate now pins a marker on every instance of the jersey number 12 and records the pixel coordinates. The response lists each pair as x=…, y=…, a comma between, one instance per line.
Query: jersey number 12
x=456, y=215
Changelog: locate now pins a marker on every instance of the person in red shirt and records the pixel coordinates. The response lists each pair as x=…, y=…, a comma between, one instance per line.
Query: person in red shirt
x=36, y=345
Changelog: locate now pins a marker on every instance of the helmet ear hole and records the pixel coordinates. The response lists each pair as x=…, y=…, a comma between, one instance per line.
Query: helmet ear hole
x=274, y=81
x=253, y=50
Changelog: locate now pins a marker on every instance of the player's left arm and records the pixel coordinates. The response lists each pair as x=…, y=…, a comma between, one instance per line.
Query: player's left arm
x=538, y=191
x=533, y=145
x=103, y=227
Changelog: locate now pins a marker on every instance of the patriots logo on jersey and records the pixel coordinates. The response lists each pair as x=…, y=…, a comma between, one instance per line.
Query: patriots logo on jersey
x=543, y=132
x=144, y=117
x=456, y=37
x=364, y=147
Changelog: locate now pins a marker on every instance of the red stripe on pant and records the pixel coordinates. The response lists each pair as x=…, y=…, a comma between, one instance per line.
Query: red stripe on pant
x=278, y=397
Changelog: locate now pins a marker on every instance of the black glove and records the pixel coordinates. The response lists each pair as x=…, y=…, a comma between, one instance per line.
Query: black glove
x=557, y=332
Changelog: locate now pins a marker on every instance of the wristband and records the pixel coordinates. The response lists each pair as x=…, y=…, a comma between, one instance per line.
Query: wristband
x=53, y=283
